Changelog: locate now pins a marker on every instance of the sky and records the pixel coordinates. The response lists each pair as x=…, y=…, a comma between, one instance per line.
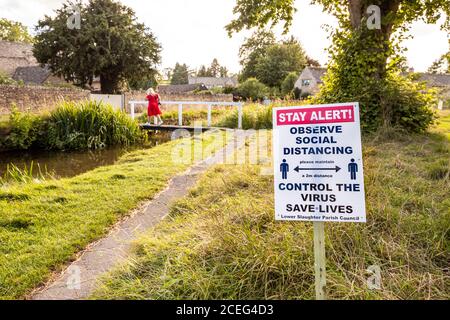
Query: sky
x=192, y=31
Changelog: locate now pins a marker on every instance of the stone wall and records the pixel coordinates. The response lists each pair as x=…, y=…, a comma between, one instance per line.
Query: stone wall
x=36, y=99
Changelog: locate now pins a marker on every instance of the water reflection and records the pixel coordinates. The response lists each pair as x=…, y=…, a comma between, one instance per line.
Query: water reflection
x=69, y=164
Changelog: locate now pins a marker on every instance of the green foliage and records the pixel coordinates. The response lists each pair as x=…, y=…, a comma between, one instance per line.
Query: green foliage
x=14, y=31
x=25, y=131
x=214, y=70
x=14, y=174
x=442, y=65
x=180, y=74
x=271, y=63
x=260, y=13
x=364, y=61
x=111, y=44
x=252, y=89
x=90, y=125
x=5, y=79
x=72, y=126
x=253, y=117
x=386, y=98
x=278, y=61
x=287, y=86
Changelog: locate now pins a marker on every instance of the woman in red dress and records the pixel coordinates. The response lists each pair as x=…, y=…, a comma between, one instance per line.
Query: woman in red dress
x=153, y=106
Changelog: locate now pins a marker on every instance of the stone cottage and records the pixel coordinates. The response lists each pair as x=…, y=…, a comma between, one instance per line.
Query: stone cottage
x=310, y=79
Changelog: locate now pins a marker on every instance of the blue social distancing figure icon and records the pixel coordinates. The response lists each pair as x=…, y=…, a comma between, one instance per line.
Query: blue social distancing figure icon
x=284, y=168
x=353, y=169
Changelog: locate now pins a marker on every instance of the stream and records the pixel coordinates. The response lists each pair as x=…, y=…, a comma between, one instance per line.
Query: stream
x=69, y=164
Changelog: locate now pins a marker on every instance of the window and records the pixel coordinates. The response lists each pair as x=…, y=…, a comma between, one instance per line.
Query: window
x=306, y=83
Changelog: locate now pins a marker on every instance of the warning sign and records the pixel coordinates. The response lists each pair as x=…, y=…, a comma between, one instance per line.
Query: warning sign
x=318, y=163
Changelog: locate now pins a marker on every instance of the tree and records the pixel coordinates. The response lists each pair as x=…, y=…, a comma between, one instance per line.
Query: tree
x=214, y=69
x=274, y=63
x=202, y=72
x=150, y=81
x=312, y=62
x=261, y=13
x=289, y=83
x=223, y=73
x=365, y=55
x=252, y=50
x=180, y=74
x=257, y=43
x=442, y=65
x=252, y=89
x=14, y=31
x=278, y=61
x=270, y=61
x=111, y=44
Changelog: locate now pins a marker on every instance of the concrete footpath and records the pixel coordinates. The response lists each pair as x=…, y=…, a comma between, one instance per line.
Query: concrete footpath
x=78, y=280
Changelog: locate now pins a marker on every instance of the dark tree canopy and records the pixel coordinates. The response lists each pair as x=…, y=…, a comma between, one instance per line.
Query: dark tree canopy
x=215, y=70
x=111, y=44
x=14, y=31
x=180, y=74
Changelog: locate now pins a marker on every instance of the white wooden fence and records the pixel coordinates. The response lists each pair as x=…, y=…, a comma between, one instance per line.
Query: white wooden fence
x=180, y=105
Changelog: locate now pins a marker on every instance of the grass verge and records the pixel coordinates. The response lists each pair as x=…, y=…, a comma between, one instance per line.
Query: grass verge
x=221, y=241
x=43, y=224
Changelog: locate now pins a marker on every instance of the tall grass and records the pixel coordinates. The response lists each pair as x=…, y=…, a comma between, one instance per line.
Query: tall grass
x=25, y=175
x=222, y=242
x=90, y=125
x=72, y=126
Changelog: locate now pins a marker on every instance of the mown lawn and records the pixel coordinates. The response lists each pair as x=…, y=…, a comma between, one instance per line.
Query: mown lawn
x=44, y=224
x=221, y=241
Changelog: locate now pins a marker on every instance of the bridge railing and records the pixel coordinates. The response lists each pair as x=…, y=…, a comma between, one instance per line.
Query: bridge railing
x=180, y=105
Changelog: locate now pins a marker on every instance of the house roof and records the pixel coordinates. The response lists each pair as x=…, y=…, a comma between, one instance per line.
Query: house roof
x=317, y=72
x=214, y=82
x=435, y=80
x=32, y=74
x=179, y=88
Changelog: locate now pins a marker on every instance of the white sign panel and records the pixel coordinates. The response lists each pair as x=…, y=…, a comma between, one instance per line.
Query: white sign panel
x=318, y=163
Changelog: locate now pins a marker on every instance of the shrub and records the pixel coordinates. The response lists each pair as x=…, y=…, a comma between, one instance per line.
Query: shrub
x=288, y=84
x=252, y=89
x=25, y=130
x=297, y=93
x=5, y=79
x=228, y=90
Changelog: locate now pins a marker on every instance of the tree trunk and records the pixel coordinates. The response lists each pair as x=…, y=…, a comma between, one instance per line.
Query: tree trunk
x=376, y=44
x=109, y=84
x=356, y=14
